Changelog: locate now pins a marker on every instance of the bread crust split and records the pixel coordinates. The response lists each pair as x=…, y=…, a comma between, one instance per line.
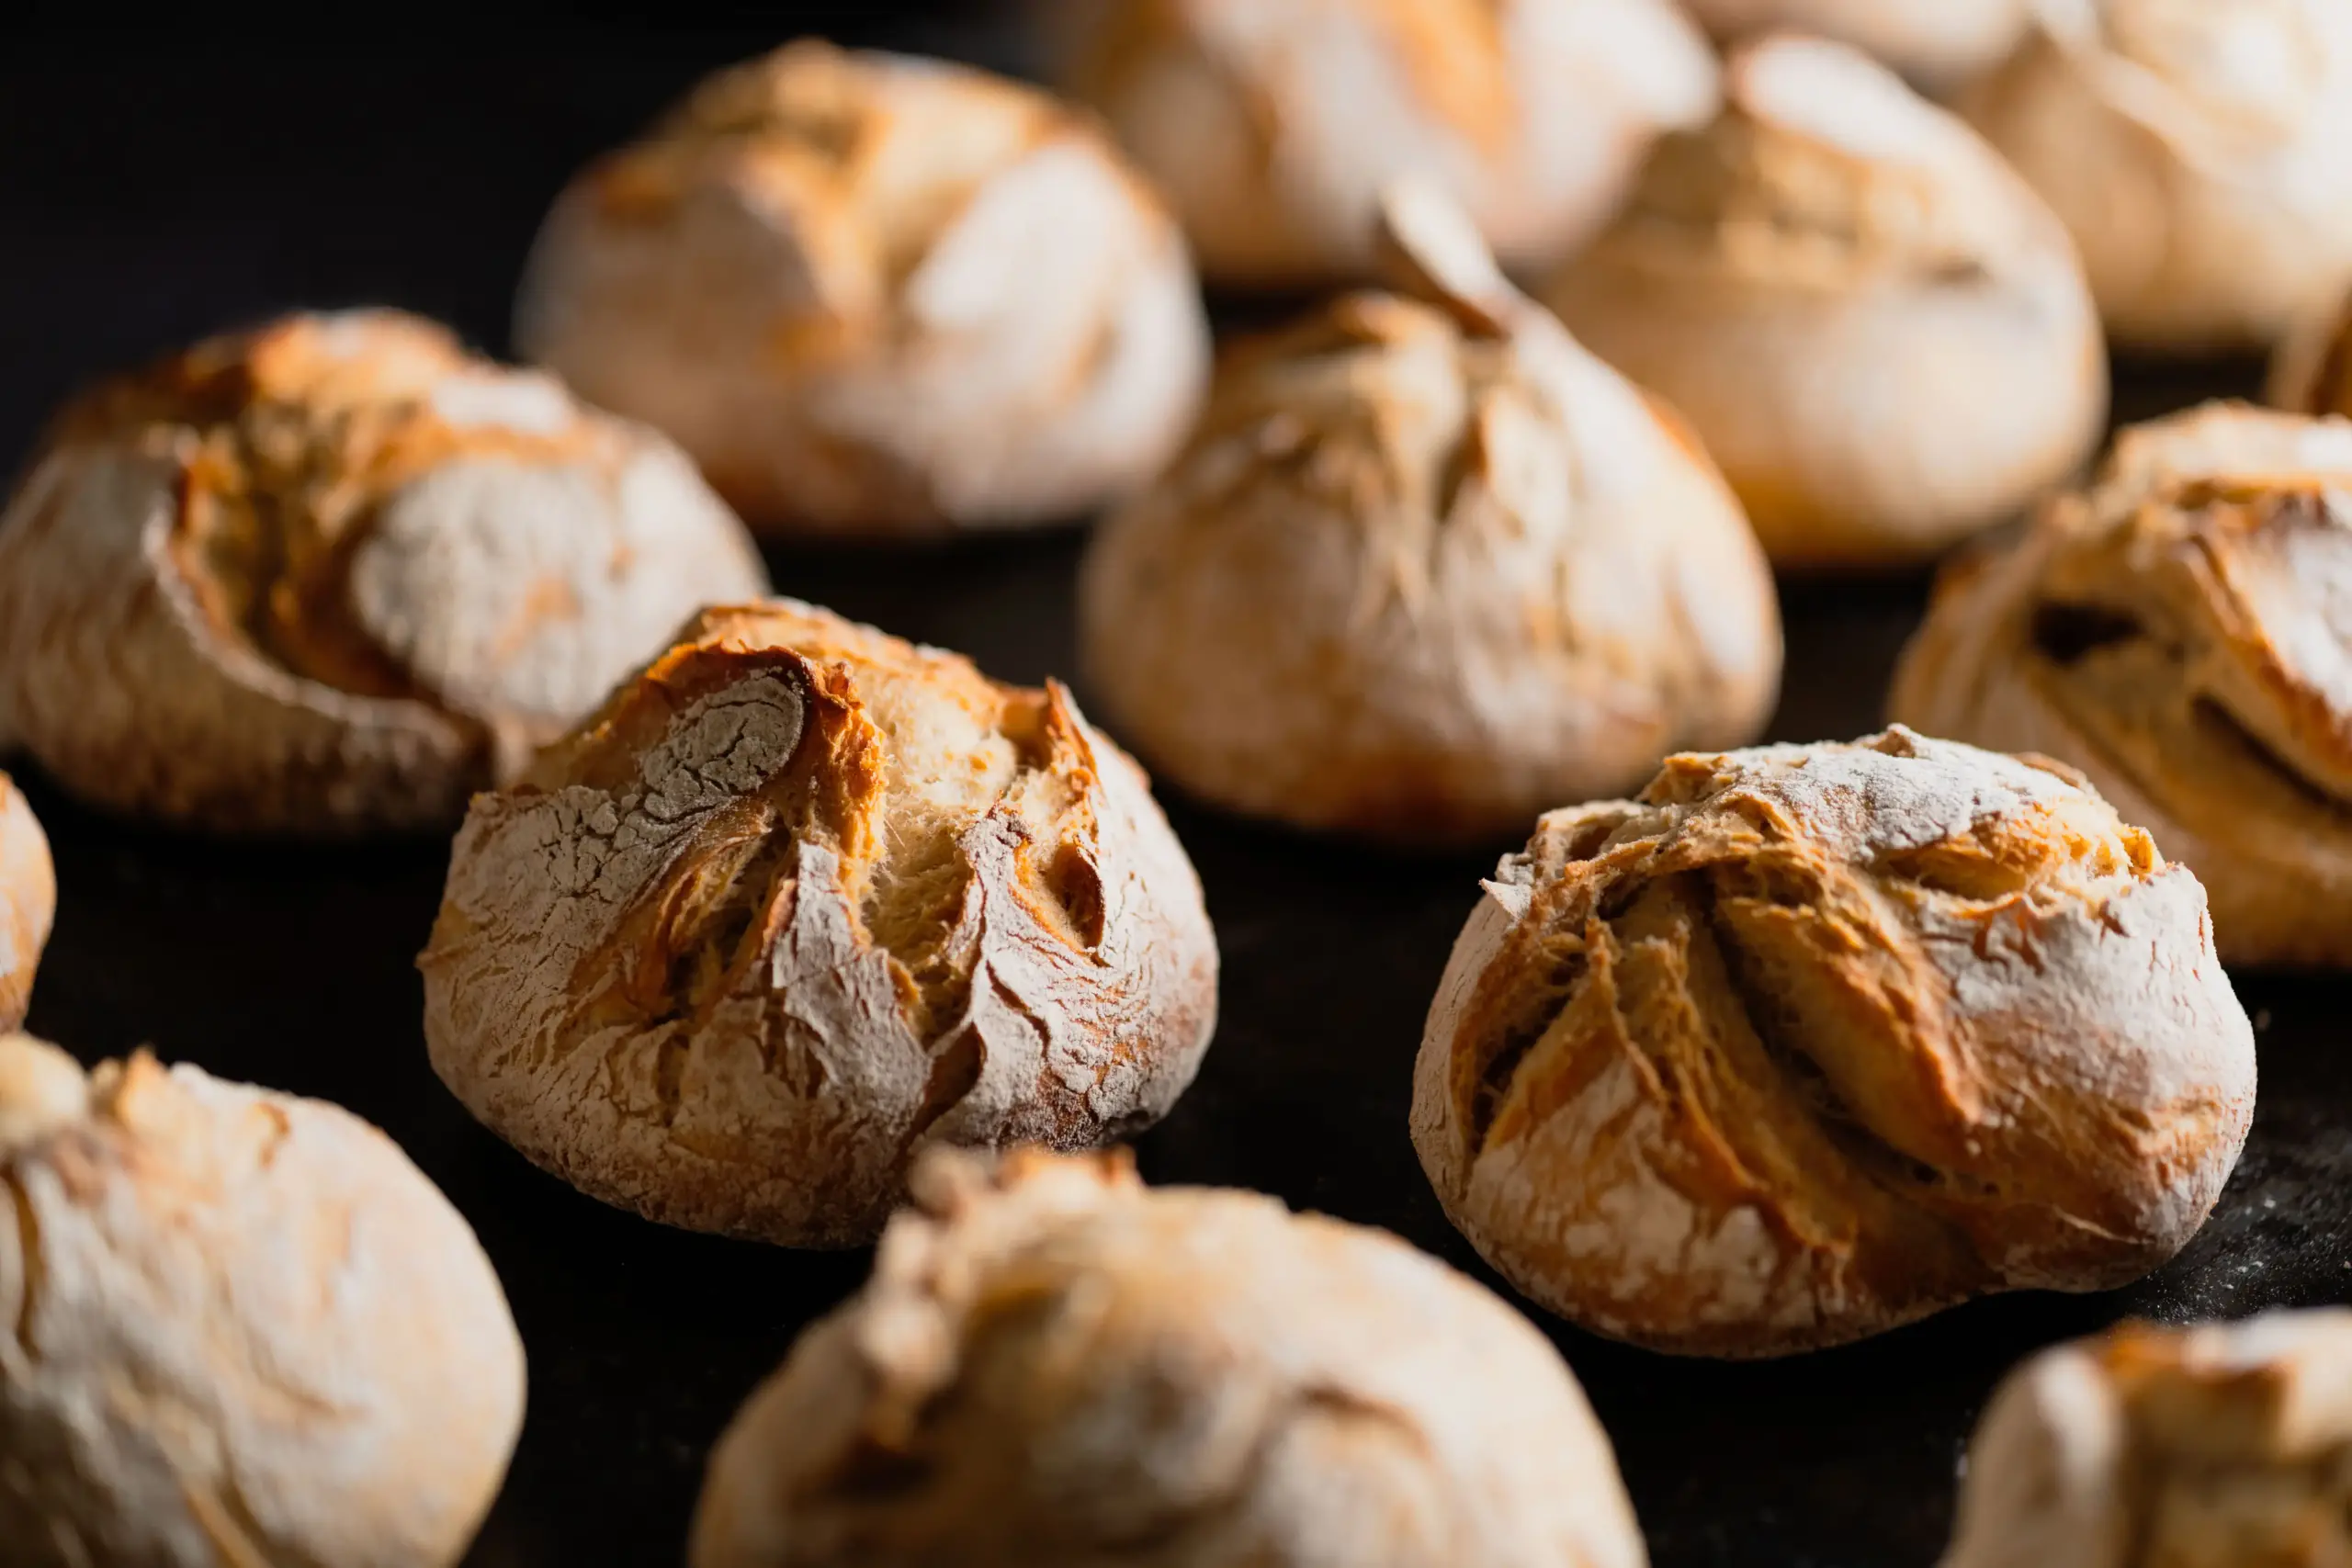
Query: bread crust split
x=878, y=295
x=28, y=902
x=330, y=576
x=242, y=1329
x=1878, y=330
x=802, y=898
x=1806, y=1043
x=1427, y=569
x=2174, y=630
x=1052, y=1364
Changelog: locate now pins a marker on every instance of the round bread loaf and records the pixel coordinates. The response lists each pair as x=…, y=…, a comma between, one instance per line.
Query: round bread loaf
x=874, y=294
x=800, y=898
x=1052, y=1364
x=2220, y=1446
x=334, y=574
x=28, y=902
x=1427, y=569
x=1274, y=124
x=2182, y=632
x=1878, y=330
x=1937, y=43
x=2311, y=370
x=243, y=1329
x=1810, y=1041
x=2197, y=150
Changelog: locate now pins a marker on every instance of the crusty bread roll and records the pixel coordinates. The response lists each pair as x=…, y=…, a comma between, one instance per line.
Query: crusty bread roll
x=1427, y=569
x=245, y=1331
x=2221, y=1446
x=1937, y=43
x=1053, y=1365
x=1274, y=124
x=28, y=902
x=2197, y=150
x=1878, y=331
x=336, y=574
x=874, y=294
x=800, y=898
x=1810, y=1041
x=2177, y=631
x=2311, y=370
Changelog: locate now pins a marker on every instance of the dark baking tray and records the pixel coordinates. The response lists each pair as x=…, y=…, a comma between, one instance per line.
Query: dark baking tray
x=154, y=189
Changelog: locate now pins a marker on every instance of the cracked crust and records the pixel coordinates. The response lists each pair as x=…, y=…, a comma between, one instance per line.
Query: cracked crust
x=1810, y=1041
x=1936, y=43
x=333, y=575
x=2218, y=1445
x=28, y=902
x=1275, y=124
x=1880, y=332
x=876, y=294
x=802, y=899
x=236, y=1327
x=2197, y=151
x=1428, y=568
x=1052, y=1364
x=2179, y=631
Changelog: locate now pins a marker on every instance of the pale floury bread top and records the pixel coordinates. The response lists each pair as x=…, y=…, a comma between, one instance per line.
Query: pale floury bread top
x=1938, y=43
x=1054, y=1365
x=28, y=902
x=874, y=294
x=333, y=574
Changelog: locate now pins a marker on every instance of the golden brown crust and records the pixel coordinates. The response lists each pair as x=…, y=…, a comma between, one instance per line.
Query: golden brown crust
x=333, y=574
x=1878, y=331
x=28, y=902
x=876, y=294
x=1809, y=1042
x=1052, y=1364
x=243, y=1328
x=800, y=898
x=2311, y=371
x=2177, y=631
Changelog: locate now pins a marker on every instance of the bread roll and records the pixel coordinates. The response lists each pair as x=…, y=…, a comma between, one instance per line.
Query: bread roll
x=1427, y=569
x=1937, y=43
x=245, y=1331
x=799, y=899
x=2197, y=150
x=333, y=575
x=2221, y=1446
x=28, y=902
x=874, y=294
x=1274, y=124
x=1812, y=1041
x=1878, y=330
x=2178, y=632
x=2311, y=371
x=1052, y=1365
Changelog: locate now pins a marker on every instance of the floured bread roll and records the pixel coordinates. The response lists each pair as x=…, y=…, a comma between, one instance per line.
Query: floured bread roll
x=1053, y=1365
x=1810, y=1041
x=874, y=294
x=801, y=898
x=2197, y=150
x=334, y=575
x=1428, y=568
x=2221, y=1446
x=2311, y=372
x=1274, y=124
x=245, y=1330
x=1878, y=330
x=1937, y=43
x=2182, y=632
x=28, y=902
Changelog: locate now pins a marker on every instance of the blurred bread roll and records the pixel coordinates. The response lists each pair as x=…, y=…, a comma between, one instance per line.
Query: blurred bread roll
x=874, y=294
x=1054, y=1365
x=2197, y=150
x=1274, y=124
x=2179, y=631
x=331, y=575
x=28, y=902
x=246, y=1330
x=1427, y=569
x=1878, y=331
x=2311, y=370
x=1937, y=43
x=1808, y=1042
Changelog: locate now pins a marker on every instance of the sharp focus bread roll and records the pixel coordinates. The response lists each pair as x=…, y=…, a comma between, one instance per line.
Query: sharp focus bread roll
x=28, y=902
x=1809, y=1042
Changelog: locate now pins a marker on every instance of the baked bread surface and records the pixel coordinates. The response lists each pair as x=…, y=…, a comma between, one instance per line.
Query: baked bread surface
x=1936, y=43
x=28, y=902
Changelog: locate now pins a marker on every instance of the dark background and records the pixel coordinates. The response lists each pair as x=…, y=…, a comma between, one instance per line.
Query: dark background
x=160, y=184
